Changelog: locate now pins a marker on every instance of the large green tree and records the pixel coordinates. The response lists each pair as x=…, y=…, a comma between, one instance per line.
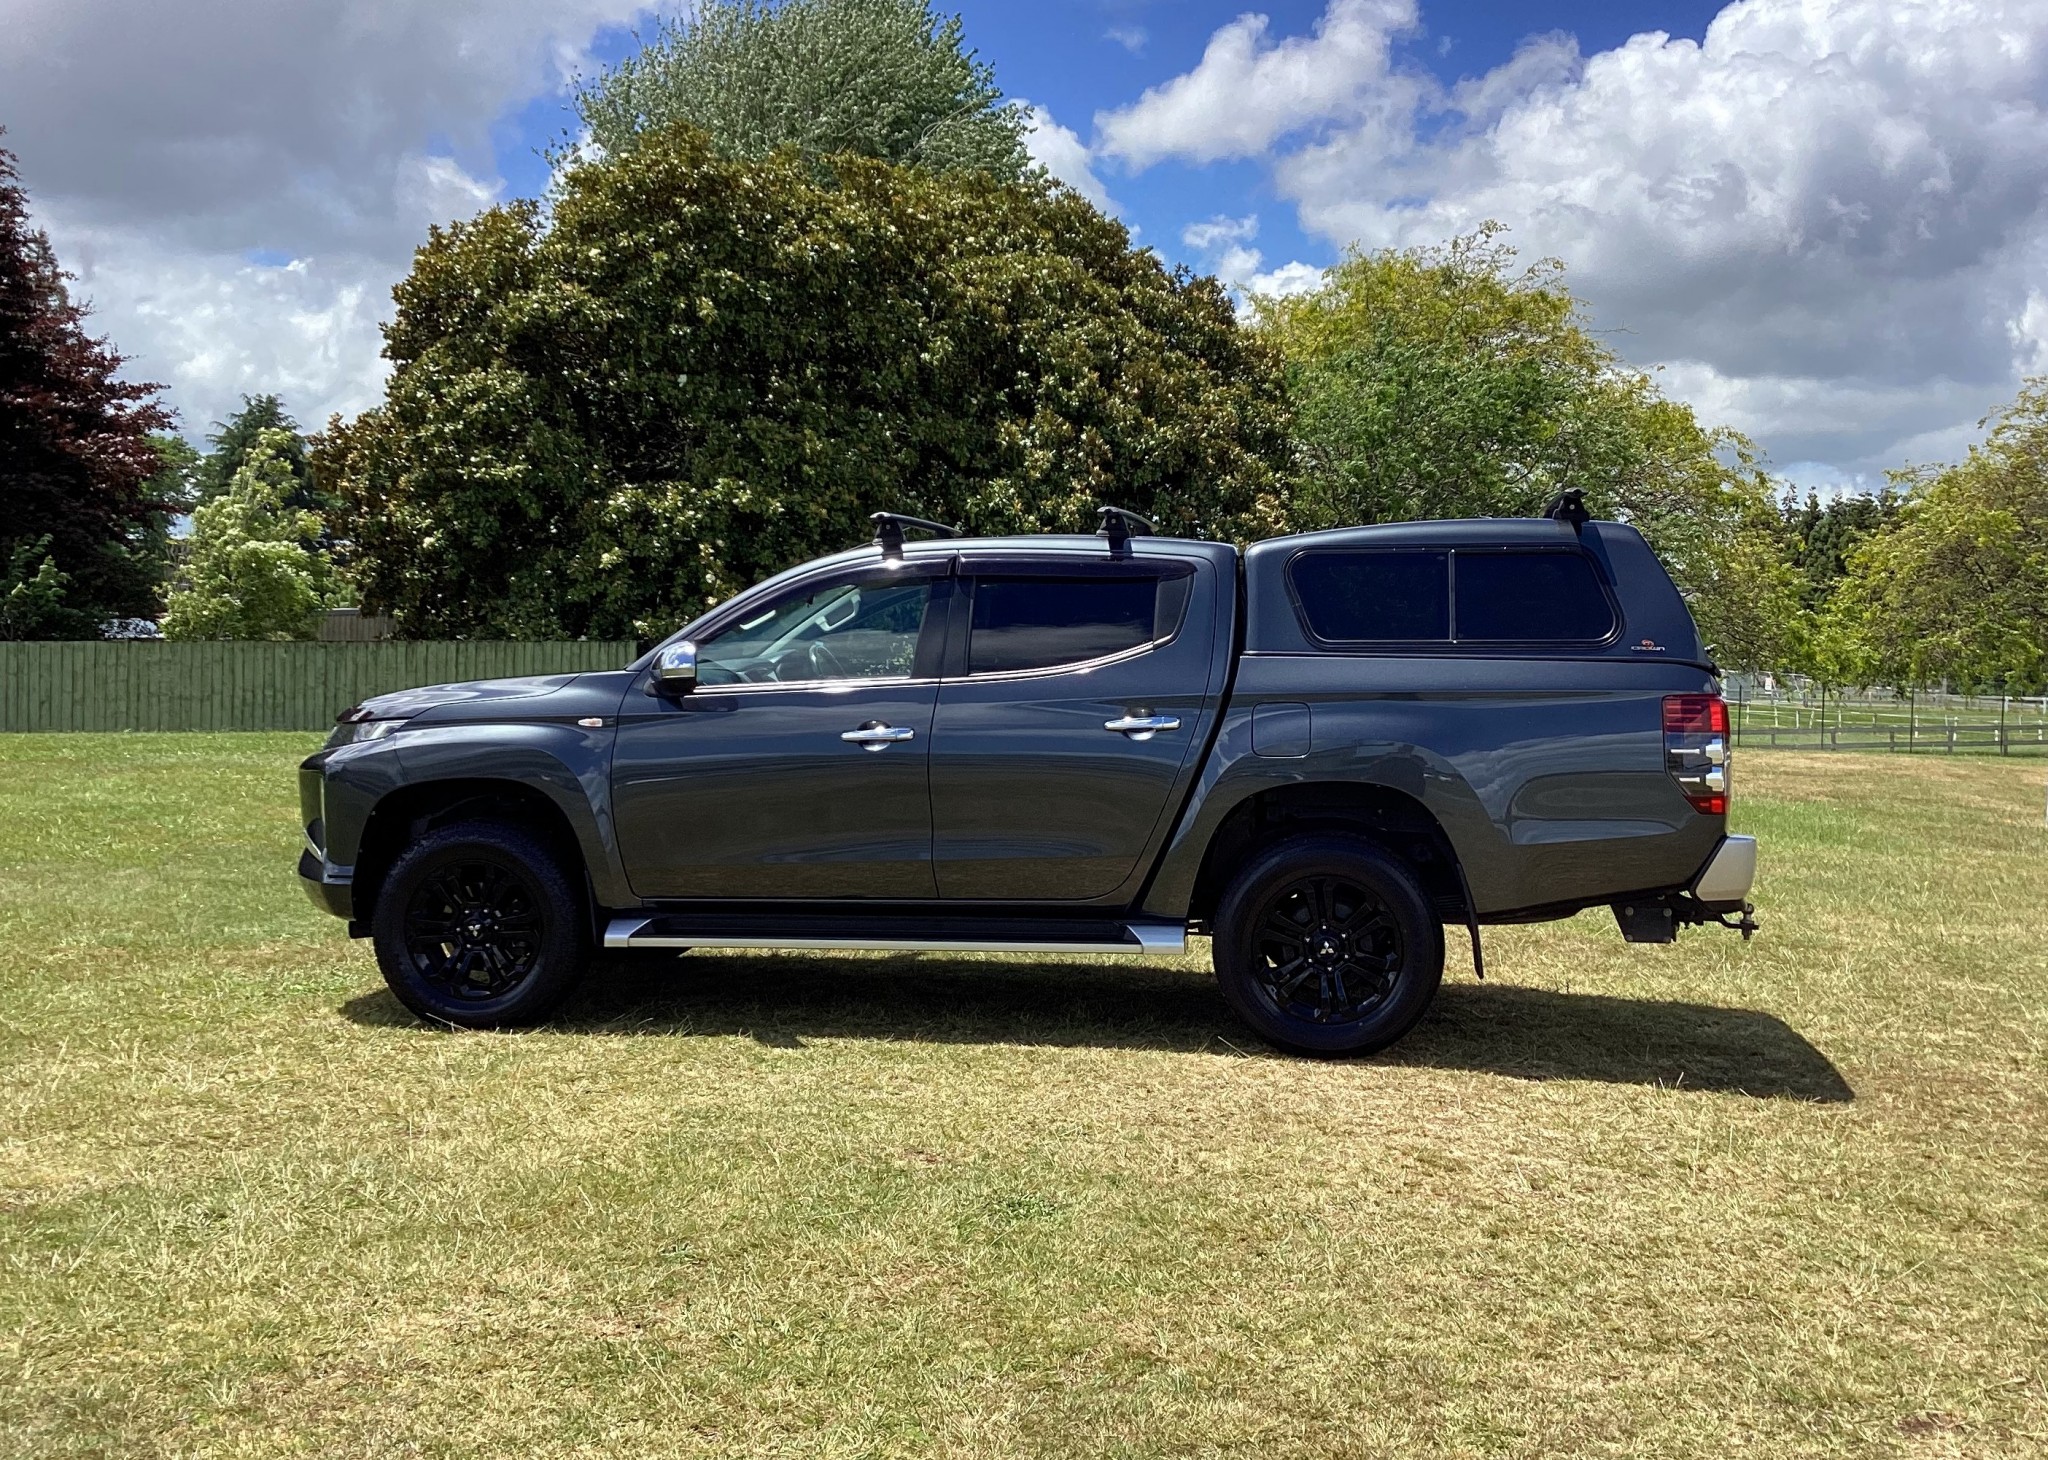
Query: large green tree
x=81, y=514
x=1454, y=382
x=880, y=78
x=255, y=570
x=259, y=418
x=697, y=370
x=1823, y=537
x=1957, y=589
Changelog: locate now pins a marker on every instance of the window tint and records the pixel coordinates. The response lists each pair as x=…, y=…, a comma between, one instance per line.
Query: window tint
x=1032, y=623
x=1395, y=596
x=1531, y=597
x=836, y=631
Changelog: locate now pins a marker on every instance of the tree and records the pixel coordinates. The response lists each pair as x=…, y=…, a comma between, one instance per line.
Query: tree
x=176, y=485
x=1450, y=382
x=34, y=598
x=880, y=78
x=80, y=517
x=1957, y=589
x=234, y=438
x=256, y=571
x=699, y=371
x=1825, y=537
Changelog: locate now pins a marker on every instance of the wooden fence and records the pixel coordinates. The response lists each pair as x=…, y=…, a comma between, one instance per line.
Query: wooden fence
x=151, y=685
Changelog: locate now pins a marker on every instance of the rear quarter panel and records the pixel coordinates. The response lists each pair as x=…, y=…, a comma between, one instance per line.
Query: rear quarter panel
x=1547, y=775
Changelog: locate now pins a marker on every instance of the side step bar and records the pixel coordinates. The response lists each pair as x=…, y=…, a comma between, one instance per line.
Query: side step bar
x=900, y=935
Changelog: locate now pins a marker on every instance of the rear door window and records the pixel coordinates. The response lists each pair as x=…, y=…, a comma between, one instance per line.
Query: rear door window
x=1040, y=622
x=1531, y=598
x=1374, y=596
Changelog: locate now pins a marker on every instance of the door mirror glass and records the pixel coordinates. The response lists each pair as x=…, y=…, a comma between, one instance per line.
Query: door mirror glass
x=675, y=672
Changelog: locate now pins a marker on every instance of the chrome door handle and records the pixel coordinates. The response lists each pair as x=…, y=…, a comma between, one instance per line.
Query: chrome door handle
x=1142, y=727
x=877, y=736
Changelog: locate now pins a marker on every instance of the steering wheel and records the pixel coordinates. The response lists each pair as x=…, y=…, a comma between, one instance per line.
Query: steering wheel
x=825, y=664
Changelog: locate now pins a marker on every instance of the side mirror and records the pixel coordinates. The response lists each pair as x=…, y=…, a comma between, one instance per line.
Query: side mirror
x=675, y=672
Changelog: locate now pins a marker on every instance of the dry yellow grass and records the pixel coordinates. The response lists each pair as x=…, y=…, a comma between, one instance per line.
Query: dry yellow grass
x=1789, y=1199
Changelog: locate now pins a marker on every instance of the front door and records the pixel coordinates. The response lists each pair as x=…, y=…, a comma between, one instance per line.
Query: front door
x=1056, y=755
x=797, y=767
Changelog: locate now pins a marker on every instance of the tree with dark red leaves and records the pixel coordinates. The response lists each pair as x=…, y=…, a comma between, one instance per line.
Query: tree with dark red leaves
x=82, y=512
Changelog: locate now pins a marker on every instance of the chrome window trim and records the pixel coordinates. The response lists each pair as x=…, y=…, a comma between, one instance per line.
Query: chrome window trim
x=770, y=686
x=1078, y=666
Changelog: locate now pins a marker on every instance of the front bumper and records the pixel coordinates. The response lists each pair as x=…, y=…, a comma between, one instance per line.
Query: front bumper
x=329, y=885
x=1724, y=883
x=332, y=888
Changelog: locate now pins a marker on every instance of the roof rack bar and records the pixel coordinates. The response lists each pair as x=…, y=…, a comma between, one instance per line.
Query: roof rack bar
x=889, y=528
x=1120, y=526
x=1569, y=506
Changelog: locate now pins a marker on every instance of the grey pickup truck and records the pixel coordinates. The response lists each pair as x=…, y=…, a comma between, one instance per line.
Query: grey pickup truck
x=1318, y=751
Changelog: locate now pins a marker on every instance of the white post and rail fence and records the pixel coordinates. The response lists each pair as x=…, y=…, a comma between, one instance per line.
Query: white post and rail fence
x=1913, y=723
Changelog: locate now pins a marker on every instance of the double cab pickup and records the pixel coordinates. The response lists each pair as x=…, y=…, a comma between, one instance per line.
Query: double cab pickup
x=1319, y=752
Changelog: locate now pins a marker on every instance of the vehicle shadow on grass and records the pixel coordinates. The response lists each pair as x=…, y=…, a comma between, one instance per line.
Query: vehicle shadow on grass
x=1524, y=1033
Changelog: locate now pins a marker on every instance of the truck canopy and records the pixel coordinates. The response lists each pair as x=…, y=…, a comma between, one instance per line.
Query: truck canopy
x=1528, y=586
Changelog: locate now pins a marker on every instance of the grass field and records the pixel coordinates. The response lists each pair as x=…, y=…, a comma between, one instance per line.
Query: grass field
x=1783, y=1199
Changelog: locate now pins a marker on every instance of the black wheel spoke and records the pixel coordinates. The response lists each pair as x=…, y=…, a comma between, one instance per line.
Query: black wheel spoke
x=474, y=929
x=1290, y=978
x=1282, y=923
x=1330, y=951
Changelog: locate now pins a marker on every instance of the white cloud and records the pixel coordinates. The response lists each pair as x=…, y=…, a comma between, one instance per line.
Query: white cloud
x=2029, y=333
x=1063, y=154
x=1825, y=481
x=164, y=146
x=1224, y=244
x=1131, y=37
x=1291, y=278
x=1249, y=92
x=1220, y=232
x=1828, y=220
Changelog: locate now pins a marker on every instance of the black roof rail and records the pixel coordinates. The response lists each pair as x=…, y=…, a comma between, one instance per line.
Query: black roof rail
x=889, y=531
x=1569, y=506
x=1120, y=526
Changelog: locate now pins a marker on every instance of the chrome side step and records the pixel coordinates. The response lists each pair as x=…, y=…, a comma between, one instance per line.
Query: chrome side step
x=1155, y=939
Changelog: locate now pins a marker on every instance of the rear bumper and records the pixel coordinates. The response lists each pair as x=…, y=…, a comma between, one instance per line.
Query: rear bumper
x=1729, y=874
x=332, y=888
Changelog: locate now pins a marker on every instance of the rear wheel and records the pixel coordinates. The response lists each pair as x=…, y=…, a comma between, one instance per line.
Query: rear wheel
x=478, y=925
x=1326, y=945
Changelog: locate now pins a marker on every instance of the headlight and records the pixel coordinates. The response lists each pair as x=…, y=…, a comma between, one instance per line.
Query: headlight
x=356, y=732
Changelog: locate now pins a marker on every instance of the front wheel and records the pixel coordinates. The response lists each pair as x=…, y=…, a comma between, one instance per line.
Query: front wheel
x=478, y=925
x=1326, y=945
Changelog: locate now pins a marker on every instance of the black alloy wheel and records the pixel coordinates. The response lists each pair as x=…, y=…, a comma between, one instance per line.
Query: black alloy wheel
x=1329, y=950
x=1326, y=945
x=478, y=924
x=473, y=929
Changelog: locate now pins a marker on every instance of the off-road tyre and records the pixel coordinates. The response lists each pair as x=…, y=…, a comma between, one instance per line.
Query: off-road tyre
x=1326, y=945
x=479, y=925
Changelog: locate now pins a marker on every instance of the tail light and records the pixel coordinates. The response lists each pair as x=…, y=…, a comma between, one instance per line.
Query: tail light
x=1696, y=749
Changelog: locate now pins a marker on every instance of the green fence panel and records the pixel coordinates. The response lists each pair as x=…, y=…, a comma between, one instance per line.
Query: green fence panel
x=144, y=685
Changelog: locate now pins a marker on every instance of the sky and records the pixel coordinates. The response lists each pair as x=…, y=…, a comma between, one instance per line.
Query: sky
x=1822, y=222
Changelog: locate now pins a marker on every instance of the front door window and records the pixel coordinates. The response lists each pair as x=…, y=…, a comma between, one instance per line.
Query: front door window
x=836, y=632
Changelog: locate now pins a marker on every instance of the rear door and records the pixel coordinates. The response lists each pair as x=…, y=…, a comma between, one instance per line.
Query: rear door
x=1078, y=693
